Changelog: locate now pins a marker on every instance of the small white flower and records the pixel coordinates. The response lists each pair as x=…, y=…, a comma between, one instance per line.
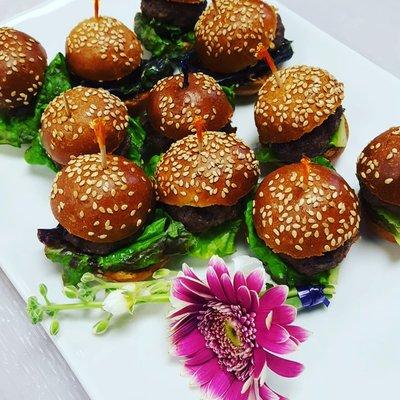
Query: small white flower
x=247, y=264
x=116, y=303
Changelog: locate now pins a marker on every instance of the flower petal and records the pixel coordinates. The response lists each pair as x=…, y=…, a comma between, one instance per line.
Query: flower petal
x=283, y=367
x=180, y=292
x=219, y=385
x=276, y=334
x=203, y=374
x=244, y=297
x=239, y=280
x=278, y=348
x=256, y=280
x=267, y=394
x=183, y=327
x=234, y=392
x=228, y=288
x=218, y=264
x=195, y=287
x=215, y=284
x=201, y=357
x=274, y=297
x=190, y=309
x=190, y=344
x=189, y=272
x=259, y=361
x=284, y=315
x=298, y=333
x=255, y=301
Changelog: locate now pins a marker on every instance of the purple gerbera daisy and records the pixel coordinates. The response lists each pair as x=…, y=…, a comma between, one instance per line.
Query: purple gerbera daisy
x=230, y=331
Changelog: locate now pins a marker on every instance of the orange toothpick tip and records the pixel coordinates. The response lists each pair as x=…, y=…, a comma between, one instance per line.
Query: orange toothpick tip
x=98, y=125
x=199, y=125
x=96, y=8
x=306, y=163
x=262, y=53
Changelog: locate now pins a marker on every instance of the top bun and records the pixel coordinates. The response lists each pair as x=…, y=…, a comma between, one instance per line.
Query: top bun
x=307, y=97
x=101, y=205
x=378, y=167
x=220, y=173
x=102, y=49
x=172, y=108
x=66, y=133
x=23, y=63
x=227, y=39
x=305, y=210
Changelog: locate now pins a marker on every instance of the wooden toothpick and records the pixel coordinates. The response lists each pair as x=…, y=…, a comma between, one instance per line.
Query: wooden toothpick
x=263, y=54
x=98, y=125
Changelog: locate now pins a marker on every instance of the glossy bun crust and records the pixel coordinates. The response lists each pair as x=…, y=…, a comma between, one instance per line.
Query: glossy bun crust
x=102, y=206
x=172, y=109
x=23, y=63
x=102, y=49
x=227, y=39
x=378, y=167
x=307, y=97
x=221, y=173
x=64, y=136
x=305, y=210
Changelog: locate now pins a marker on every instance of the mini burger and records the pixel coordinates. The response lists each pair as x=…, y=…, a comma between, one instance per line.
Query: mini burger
x=202, y=179
x=23, y=63
x=165, y=27
x=102, y=49
x=99, y=209
x=307, y=215
x=299, y=113
x=67, y=123
x=180, y=13
x=378, y=171
x=176, y=102
x=229, y=35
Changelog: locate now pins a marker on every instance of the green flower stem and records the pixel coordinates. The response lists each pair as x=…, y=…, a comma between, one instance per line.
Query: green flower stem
x=155, y=298
x=72, y=306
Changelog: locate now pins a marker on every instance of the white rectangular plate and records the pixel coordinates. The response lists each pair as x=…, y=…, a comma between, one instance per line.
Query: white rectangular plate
x=354, y=352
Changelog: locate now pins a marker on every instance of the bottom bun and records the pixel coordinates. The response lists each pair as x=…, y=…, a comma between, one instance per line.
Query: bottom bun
x=251, y=88
x=333, y=153
x=137, y=105
x=137, y=276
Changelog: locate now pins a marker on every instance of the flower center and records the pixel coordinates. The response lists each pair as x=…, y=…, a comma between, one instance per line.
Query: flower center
x=229, y=331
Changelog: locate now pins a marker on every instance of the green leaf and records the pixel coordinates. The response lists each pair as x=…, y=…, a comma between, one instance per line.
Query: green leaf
x=151, y=165
x=391, y=221
x=54, y=327
x=219, y=241
x=137, y=135
x=230, y=94
x=265, y=155
x=323, y=161
x=276, y=267
x=34, y=310
x=339, y=138
x=70, y=291
x=162, y=39
x=36, y=155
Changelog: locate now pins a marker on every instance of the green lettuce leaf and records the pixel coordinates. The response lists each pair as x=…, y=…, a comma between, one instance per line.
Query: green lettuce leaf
x=265, y=155
x=151, y=165
x=390, y=221
x=220, y=241
x=36, y=155
x=323, y=161
x=276, y=267
x=162, y=39
x=230, y=94
x=339, y=138
x=137, y=135
x=160, y=238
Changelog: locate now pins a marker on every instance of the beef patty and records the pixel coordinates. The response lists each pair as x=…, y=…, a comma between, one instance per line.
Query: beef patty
x=200, y=219
x=183, y=15
x=59, y=235
x=315, y=265
x=157, y=143
x=372, y=201
x=312, y=144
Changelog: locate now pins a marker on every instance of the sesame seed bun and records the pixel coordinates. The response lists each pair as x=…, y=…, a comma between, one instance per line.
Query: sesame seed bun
x=305, y=214
x=68, y=132
x=23, y=63
x=186, y=1
x=172, y=108
x=227, y=39
x=101, y=205
x=223, y=172
x=378, y=166
x=307, y=97
x=102, y=49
